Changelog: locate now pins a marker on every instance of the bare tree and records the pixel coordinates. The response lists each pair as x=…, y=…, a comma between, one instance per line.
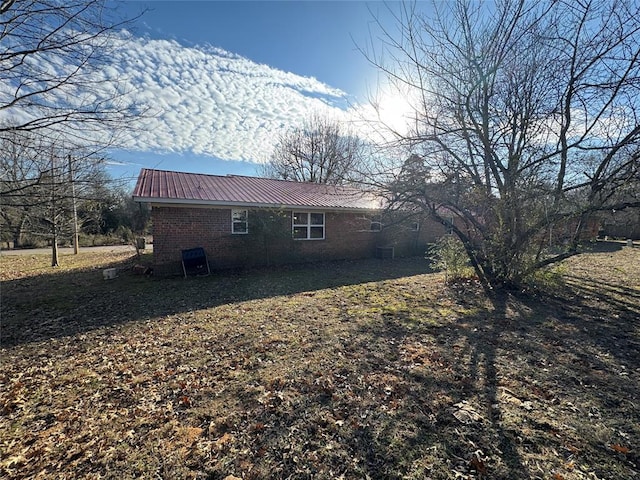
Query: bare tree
x=321, y=151
x=55, y=97
x=51, y=62
x=526, y=121
x=41, y=185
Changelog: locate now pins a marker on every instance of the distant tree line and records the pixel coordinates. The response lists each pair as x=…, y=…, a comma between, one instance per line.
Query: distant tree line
x=57, y=114
x=55, y=196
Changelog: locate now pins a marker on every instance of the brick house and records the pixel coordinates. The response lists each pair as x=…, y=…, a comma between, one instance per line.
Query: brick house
x=249, y=221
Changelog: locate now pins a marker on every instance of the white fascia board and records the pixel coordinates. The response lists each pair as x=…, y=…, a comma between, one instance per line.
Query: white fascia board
x=179, y=202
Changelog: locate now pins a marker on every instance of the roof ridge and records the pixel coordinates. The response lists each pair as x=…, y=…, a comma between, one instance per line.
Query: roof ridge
x=234, y=175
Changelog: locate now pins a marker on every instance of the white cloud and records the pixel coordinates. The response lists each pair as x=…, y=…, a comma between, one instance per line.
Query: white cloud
x=203, y=100
x=213, y=102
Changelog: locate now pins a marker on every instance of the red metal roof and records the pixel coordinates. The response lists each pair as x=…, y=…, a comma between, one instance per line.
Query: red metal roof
x=161, y=186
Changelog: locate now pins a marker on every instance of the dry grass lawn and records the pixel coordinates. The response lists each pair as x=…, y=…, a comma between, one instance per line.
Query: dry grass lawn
x=351, y=370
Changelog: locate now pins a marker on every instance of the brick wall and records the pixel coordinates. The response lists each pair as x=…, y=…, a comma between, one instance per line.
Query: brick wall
x=269, y=241
x=405, y=240
x=176, y=229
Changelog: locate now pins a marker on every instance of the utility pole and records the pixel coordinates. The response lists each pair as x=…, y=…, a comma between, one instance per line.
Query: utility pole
x=54, y=222
x=76, y=247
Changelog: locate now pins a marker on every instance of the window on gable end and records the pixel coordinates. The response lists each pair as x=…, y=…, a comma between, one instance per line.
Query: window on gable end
x=376, y=223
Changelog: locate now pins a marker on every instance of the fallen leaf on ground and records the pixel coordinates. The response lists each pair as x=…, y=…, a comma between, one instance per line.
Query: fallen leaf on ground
x=619, y=448
x=478, y=464
x=465, y=413
x=223, y=440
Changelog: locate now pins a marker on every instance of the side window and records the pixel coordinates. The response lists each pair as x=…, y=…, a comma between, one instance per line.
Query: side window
x=376, y=223
x=415, y=226
x=308, y=226
x=239, y=221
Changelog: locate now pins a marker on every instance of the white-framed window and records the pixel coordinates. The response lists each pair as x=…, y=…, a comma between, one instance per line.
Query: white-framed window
x=308, y=226
x=415, y=226
x=376, y=223
x=239, y=221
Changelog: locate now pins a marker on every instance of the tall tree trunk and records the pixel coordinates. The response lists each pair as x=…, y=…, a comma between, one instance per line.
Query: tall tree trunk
x=54, y=222
x=75, y=209
x=54, y=248
x=18, y=231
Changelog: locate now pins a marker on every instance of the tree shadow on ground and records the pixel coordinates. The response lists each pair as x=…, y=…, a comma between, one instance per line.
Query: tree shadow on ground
x=454, y=386
x=604, y=246
x=517, y=377
x=37, y=308
x=450, y=414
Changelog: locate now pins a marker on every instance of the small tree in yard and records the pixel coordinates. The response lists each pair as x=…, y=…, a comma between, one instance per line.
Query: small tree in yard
x=526, y=123
x=448, y=254
x=270, y=232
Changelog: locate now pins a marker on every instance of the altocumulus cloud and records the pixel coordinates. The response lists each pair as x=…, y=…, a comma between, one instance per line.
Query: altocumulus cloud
x=210, y=101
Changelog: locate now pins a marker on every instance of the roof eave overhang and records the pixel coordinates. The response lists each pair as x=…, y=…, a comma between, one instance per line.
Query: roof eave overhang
x=221, y=203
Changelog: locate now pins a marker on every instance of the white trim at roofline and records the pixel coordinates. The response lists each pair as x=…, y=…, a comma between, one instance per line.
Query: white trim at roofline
x=180, y=202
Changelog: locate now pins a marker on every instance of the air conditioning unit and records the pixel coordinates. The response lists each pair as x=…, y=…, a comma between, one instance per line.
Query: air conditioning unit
x=385, y=252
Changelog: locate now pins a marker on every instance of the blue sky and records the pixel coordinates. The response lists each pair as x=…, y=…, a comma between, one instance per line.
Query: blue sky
x=224, y=79
x=309, y=38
